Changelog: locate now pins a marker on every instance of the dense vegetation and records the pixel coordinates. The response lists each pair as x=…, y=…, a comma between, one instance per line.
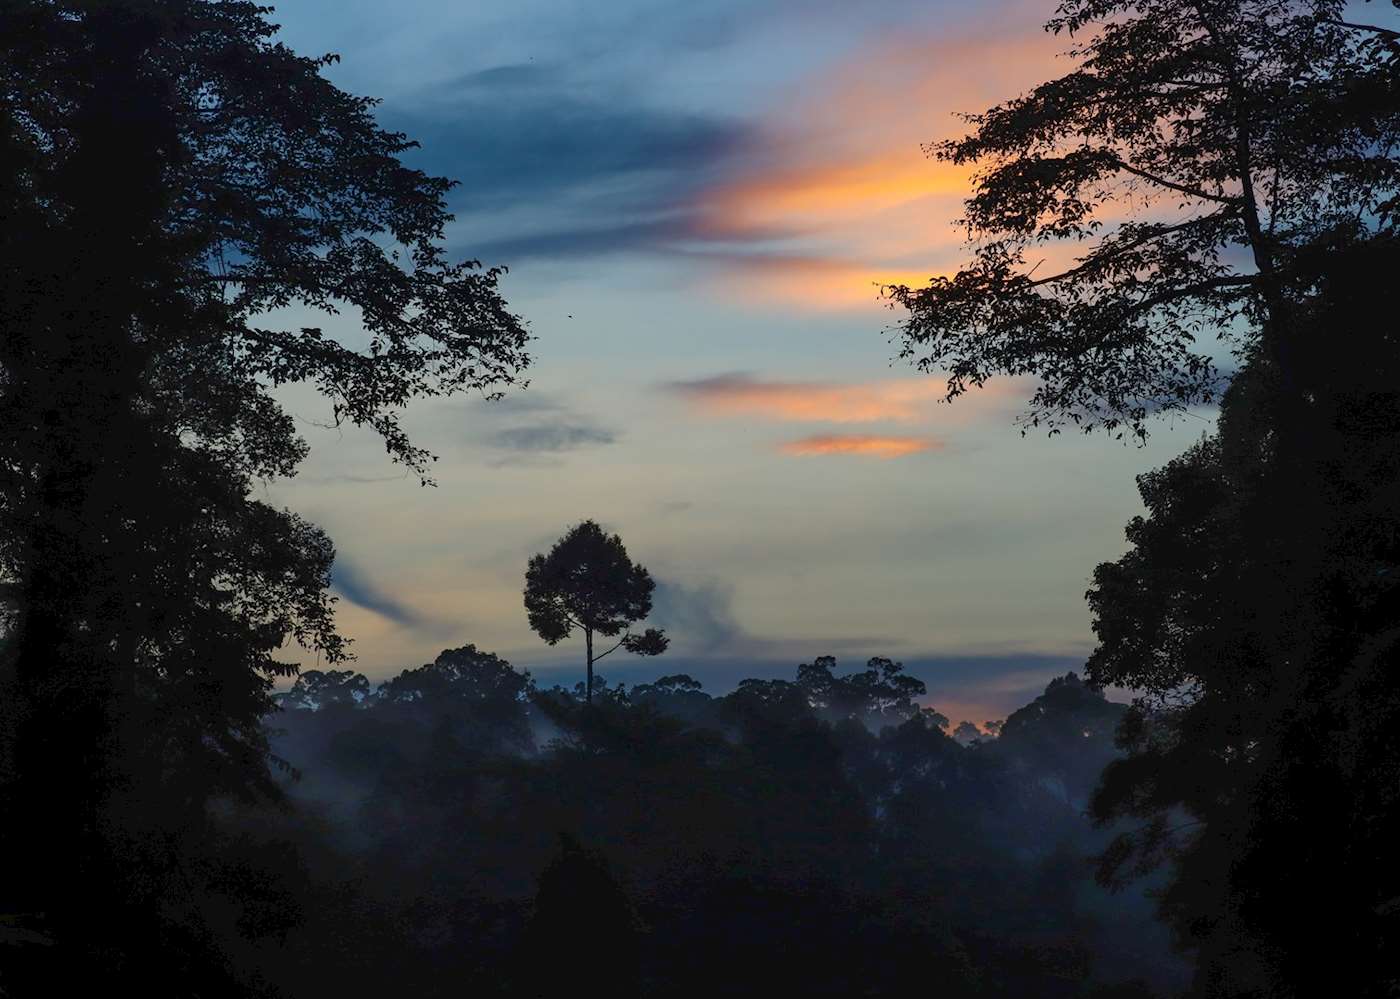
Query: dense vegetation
x=1221, y=181
x=460, y=828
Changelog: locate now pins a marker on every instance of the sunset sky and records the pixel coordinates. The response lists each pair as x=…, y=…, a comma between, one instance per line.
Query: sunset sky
x=696, y=203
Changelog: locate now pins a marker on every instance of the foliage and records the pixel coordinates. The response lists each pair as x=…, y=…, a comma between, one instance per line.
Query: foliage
x=1063, y=733
x=588, y=581
x=880, y=693
x=1256, y=613
x=183, y=197
x=671, y=843
x=315, y=689
x=1173, y=187
x=465, y=674
x=1217, y=169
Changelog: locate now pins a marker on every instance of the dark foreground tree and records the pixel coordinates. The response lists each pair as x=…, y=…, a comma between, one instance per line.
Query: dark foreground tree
x=1174, y=189
x=1220, y=169
x=587, y=581
x=584, y=922
x=1257, y=612
x=182, y=196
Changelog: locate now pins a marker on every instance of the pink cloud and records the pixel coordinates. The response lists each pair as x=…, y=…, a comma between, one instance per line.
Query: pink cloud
x=870, y=445
x=844, y=164
x=899, y=400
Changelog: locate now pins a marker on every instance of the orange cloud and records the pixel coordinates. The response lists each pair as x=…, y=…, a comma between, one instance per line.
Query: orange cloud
x=813, y=196
x=874, y=446
x=814, y=283
x=901, y=400
x=844, y=167
x=820, y=401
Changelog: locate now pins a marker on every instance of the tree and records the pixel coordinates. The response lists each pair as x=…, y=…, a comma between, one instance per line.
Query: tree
x=678, y=696
x=585, y=923
x=1257, y=614
x=587, y=581
x=879, y=694
x=489, y=694
x=182, y=197
x=1192, y=165
x=1065, y=734
x=466, y=674
x=1222, y=168
x=316, y=689
x=966, y=733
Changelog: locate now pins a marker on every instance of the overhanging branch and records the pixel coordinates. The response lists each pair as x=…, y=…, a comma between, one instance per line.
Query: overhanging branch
x=1113, y=251
x=1173, y=186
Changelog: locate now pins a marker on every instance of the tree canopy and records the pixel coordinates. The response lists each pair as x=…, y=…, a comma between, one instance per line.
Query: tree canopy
x=183, y=197
x=1216, y=170
x=588, y=581
x=1175, y=188
x=1255, y=614
x=680, y=844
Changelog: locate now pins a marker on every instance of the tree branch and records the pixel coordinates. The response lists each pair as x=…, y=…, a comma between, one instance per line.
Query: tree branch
x=1374, y=28
x=1189, y=291
x=1113, y=251
x=1171, y=185
x=614, y=648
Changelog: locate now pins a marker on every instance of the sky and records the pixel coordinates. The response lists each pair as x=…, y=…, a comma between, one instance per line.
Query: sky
x=697, y=204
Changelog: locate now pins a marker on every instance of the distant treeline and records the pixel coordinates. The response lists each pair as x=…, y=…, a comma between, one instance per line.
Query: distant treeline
x=460, y=829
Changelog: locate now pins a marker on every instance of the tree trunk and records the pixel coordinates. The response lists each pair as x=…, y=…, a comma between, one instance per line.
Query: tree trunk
x=588, y=639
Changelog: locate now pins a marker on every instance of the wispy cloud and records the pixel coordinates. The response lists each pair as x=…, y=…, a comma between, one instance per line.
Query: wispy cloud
x=870, y=445
x=533, y=132
x=899, y=400
x=845, y=167
x=813, y=196
x=742, y=394
x=358, y=588
x=701, y=617
x=536, y=182
x=809, y=282
x=551, y=437
x=531, y=429
x=841, y=165
x=701, y=620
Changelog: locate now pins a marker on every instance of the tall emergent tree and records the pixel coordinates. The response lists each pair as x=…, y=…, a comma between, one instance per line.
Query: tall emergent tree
x=1223, y=169
x=587, y=581
x=182, y=197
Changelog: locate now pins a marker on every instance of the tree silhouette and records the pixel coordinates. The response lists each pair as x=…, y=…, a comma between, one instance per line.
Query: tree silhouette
x=584, y=921
x=752, y=830
x=315, y=689
x=1066, y=733
x=879, y=694
x=1256, y=612
x=1187, y=166
x=175, y=185
x=587, y=581
x=1224, y=169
